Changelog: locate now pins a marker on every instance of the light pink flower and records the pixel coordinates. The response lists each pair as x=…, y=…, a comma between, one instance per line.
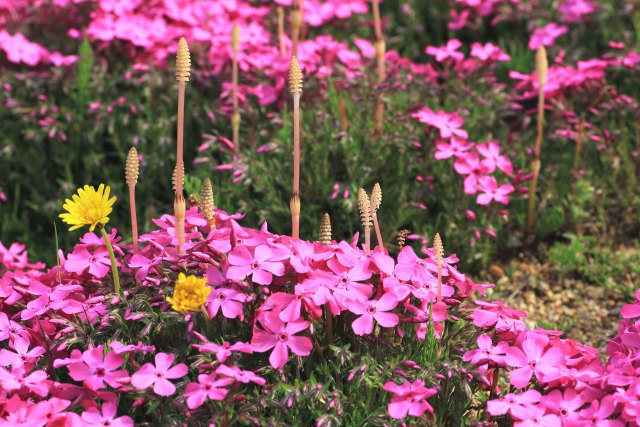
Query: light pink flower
x=159, y=375
x=409, y=399
x=207, y=387
x=448, y=123
x=258, y=265
x=374, y=309
x=96, y=369
x=450, y=50
x=106, y=417
x=490, y=191
x=547, y=35
x=280, y=336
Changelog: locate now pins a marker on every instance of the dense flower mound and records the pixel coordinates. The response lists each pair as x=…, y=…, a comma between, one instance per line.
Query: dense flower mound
x=68, y=342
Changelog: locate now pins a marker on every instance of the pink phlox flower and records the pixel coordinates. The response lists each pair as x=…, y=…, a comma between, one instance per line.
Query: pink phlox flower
x=598, y=414
x=374, y=309
x=347, y=282
x=19, y=49
x=258, y=265
x=492, y=158
x=565, y=405
x=490, y=191
x=488, y=52
x=105, y=417
x=448, y=269
x=469, y=164
x=144, y=264
x=574, y=10
x=225, y=350
x=49, y=412
x=302, y=256
x=447, y=123
x=229, y=300
x=486, y=352
x=366, y=47
x=18, y=379
x=321, y=287
x=409, y=399
x=517, y=405
x=16, y=257
x=631, y=311
x=547, y=35
x=456, y=147
x=10, y=329
x=449, y=50
x=411, y=267
x=91, y=240
x=52, y=298
x=23, y=356
x=240, y=375
x=495, y=314
x=350, y=256
x=390, y=281
x=289, y=305
x=97, y=368
x=536, y=416
x=207, y=387
x=120, y=348
x=280, y=336
x=427, y=291
x=159, y=375
x=532, y=357
x=81, y=259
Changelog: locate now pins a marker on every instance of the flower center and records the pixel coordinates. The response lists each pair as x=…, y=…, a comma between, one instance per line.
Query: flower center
x=255, y=265
x=221, y=297
x=100, y=372
x=283, y=337
x=371, y=310
x=159, y=375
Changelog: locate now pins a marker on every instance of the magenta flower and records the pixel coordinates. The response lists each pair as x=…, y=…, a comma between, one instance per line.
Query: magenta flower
x=455, y=148
x=96, y=368
x=207, y=387
x=533, y=358
x=448, y=123
x=486, y=352
x=547, y=35
x=36, y=381
x=374, y=309
x=229, y=300
x=259, y=266
x=598, y=414
x=409, y=399
x=492, y=158
x=490, y=191
x=280, y=336
x=565, y=405
x=22, y=356
x=81, y=259
x=240, y=375
x=106, y=417
x=159, y=375
x=488, y=52
x=517, y=405
x=450, y=50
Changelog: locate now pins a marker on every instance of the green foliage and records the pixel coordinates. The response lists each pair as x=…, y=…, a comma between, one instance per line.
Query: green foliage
x=598, y=264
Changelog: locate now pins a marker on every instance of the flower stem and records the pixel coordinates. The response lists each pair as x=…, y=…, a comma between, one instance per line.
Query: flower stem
x=112, y=257
x=134, y=218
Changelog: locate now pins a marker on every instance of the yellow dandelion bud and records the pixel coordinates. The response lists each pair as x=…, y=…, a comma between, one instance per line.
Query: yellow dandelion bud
x=235, y=38
x=295, y=76
x=183, y=61
x=325, y=229
x=438, y=249
x=89, y=207
x=190, y=293
x=376, y=197
x=207, y=203
x=294, y=204
x=365, y=208
x=131, y=167
x=542, y=65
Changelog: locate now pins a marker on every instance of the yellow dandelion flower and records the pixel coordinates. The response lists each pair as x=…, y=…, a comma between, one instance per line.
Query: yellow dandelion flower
x=190, y=293
x=89, y=207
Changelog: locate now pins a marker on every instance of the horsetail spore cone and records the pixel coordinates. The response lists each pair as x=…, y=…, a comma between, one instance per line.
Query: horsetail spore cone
x=295, y=85
x=131, y=172
x=325, y=229
x=364, y=204
x=438, y=250
x=376, y=201
x=207, y=203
